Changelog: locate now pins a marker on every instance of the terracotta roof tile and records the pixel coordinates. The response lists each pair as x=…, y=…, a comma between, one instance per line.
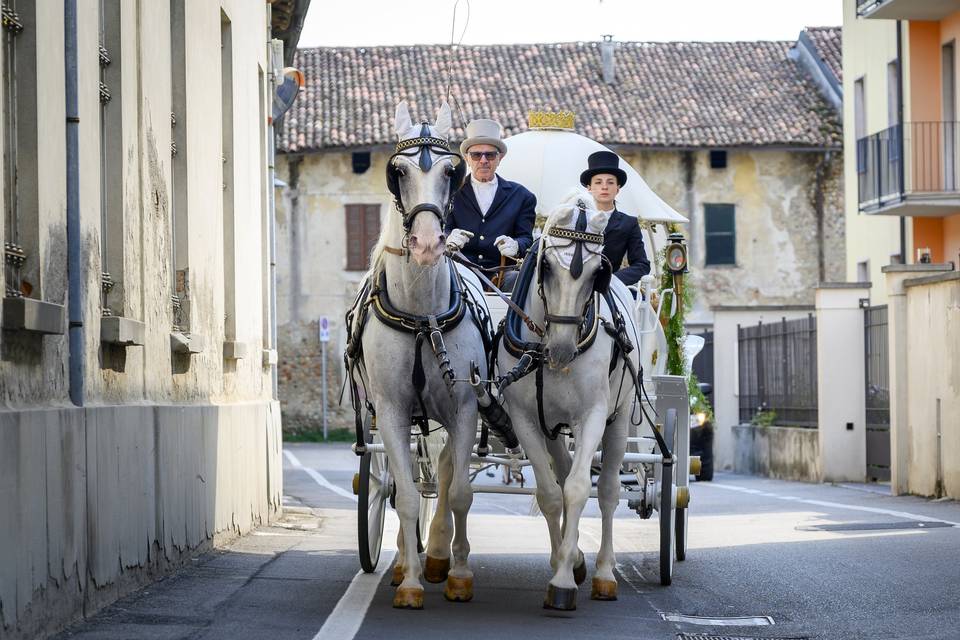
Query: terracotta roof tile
x=675, y=94
x=827, y=40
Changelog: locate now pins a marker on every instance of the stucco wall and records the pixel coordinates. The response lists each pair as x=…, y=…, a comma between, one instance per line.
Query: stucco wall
x=868, y=46
x=169, y=450
x=933, y=393
x=786, y=453
x=777, y=253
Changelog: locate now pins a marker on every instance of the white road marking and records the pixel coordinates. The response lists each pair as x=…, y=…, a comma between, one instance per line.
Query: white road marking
x=743, y=621
x=824, y=503
x=318, y=477
x=345, y=620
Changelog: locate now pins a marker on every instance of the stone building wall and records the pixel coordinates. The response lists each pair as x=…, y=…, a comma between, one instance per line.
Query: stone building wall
x=168, y=451
x=774, y=191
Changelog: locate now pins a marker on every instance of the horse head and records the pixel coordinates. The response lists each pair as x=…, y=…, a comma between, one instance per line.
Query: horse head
x=571, y=268
x=423, y=176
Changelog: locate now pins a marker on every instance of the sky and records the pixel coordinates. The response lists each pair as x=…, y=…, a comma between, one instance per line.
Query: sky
x=383, y=22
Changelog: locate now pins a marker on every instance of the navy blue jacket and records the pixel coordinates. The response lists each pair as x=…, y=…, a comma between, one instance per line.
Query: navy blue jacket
x=512, y=213
x=623, y=236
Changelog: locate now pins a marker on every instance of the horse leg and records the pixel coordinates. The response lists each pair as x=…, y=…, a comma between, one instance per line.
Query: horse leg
x=441, y=527
x=561, y=465
x=562, y=590
x=608, y=493
x=459, y=586
x=396, y=441
x=549, y=494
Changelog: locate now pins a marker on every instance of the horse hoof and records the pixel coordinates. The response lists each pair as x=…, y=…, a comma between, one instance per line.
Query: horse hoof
x=436, y=569
x=458, y=589
x=560, y=598
x=397, y=577
x=580, y=571
x=603, y=589
x=408, y=598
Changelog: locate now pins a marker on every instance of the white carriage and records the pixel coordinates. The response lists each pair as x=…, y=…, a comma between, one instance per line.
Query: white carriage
x=548, y=161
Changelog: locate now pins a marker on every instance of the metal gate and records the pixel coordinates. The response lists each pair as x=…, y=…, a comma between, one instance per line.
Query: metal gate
x=877, y=367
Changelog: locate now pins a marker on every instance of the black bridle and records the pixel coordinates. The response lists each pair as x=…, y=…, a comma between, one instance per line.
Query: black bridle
x=424, y=146
x=578, y=236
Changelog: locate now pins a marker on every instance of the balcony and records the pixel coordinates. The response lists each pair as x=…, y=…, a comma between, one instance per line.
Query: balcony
x=907, y=9
x=923, y=180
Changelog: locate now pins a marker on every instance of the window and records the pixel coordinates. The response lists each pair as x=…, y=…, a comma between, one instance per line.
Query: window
x=229, y=241
x=111, y=162
x=361, y=161
x=179, y=178
x=893, y=93
x=860, y=124
x=949, y=111
x=264, y=208
x=720, y=234
x=718, y=159
x=363, y=229
x=863, y=271
x=14, y=254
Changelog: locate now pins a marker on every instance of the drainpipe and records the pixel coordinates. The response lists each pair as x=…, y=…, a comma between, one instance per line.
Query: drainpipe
x=74, y=275
x=903, y=155
x=820, y=178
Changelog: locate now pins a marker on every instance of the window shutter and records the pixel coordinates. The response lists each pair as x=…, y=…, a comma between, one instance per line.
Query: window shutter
x=363, y=230
x=720, y=234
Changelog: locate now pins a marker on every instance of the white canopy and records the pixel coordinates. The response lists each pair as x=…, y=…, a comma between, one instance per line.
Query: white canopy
x=549, y=163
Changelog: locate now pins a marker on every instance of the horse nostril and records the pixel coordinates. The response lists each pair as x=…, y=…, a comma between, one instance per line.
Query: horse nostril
x=413, y=241
x=442, y=239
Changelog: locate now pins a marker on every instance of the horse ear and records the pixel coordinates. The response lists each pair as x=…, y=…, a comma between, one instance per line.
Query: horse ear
x=444, y=121
x=402, y=123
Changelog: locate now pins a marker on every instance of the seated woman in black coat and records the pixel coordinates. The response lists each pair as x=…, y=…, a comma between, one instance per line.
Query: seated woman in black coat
x=604, y=178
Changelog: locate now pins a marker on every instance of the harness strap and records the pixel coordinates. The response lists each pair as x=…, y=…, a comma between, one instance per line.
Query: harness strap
x=419, y=376
x=395, y=251
x=478, y=271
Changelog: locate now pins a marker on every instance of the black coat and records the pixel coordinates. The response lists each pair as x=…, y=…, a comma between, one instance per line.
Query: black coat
x=624, y=237
x=512, y=213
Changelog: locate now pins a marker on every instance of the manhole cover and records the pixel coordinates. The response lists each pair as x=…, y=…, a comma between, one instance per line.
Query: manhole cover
x=876, y=526
x=719, y=621
x=708, y=636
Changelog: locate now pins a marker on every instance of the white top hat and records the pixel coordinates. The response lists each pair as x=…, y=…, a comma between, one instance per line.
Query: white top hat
x=483, y=132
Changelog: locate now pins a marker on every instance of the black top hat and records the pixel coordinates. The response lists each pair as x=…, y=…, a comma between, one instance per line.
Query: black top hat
x=603, y=162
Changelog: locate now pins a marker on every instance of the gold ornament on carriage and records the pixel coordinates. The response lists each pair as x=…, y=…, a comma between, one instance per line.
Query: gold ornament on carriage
x=550, y=120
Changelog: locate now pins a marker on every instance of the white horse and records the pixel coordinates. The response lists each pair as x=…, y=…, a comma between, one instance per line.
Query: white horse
x=411, y=332
x=573, y=389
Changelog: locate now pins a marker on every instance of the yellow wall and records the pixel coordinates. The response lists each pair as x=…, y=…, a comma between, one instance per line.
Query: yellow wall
x=868, y=45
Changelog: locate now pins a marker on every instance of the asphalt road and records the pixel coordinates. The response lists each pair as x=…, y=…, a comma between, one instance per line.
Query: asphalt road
x=816, y=561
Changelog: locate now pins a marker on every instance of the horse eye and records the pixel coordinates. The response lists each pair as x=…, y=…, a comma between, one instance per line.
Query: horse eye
x=400, y=170
x=449, y=170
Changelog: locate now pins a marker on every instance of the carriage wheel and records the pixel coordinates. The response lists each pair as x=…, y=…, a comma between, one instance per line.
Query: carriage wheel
x=428, y=460
x=428, y=506
x=681, y=529
x=375, y=487
x=667, y=512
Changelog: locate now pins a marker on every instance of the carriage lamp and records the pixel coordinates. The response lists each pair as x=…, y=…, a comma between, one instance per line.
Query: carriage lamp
x=676, y=253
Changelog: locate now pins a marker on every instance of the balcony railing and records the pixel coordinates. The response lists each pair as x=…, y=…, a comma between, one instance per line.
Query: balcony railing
x=927, y=166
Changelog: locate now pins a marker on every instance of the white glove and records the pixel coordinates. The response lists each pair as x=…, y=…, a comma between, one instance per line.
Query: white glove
x=507, y=246
x=458, y=238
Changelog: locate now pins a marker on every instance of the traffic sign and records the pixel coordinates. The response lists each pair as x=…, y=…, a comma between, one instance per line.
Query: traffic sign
x=324, y=329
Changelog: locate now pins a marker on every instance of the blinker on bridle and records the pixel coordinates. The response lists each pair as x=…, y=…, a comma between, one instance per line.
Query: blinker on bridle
x=425, y=145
